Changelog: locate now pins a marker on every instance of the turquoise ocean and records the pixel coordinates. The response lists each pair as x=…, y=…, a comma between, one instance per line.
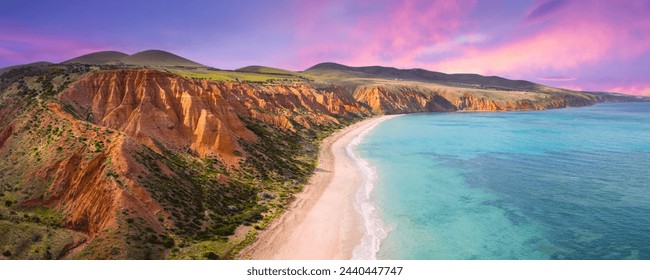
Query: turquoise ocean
x=557, y=184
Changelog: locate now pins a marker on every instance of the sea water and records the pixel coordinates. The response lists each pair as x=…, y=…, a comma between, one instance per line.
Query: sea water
x=557, y=184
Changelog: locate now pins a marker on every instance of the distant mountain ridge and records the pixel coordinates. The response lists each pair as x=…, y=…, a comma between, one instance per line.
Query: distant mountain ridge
x=103, y=57
x=145, y=58
x=417, y=74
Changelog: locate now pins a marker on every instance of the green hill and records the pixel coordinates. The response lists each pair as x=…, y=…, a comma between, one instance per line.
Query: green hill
x=266, y=70
x=149, y=58
x=158, y=58
x=331, y=70
x=98, y=58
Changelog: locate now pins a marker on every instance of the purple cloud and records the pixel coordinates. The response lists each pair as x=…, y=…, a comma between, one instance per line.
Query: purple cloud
x=23, y=45
x=545, y=8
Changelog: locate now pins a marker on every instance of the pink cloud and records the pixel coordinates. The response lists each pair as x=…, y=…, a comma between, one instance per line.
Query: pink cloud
x=557, y=78
x=554, y=49
x=7, y=53
x=636, y=89
x=577, y=36
x=552, y=37
x=376, y=32
x=626, y=87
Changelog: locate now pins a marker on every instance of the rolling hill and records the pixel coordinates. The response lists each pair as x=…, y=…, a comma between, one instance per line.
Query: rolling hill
x=158, y=58
x=265, y=70
x=149, y=58
x=338, y=71
x=98, y=58
x=32, y=65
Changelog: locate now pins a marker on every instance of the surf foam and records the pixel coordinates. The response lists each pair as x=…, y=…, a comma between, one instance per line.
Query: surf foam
x=375, y=231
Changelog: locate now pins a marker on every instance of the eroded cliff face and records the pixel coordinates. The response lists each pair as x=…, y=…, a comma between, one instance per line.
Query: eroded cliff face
x=92, y=187
x=401, y=100
x=61, y=173
x=153, y=107
x=404, y=99
x=159, y=108
x=135, y=159
x=287, y=105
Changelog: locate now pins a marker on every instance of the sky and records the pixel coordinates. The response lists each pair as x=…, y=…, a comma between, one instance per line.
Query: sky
x=583, y=45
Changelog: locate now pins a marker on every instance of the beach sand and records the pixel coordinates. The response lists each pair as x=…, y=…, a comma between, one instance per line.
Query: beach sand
x=322, y=222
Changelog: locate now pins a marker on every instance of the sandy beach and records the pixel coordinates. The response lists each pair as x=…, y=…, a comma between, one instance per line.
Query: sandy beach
x=322, y=222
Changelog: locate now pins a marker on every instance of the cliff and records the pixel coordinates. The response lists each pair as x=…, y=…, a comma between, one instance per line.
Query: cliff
x=156, y=108
x=134, y=163
x=404, y=99
x=139, y=160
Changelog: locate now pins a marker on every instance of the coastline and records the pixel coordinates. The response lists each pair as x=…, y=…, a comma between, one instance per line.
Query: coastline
x=323, y=222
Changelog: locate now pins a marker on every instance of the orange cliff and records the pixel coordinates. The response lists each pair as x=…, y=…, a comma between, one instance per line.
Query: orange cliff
x=155, y=107
x=90, y=197
x=401, y=99
x=404, y=99
x=94, y=166
x=80, y=163
x=160, y=110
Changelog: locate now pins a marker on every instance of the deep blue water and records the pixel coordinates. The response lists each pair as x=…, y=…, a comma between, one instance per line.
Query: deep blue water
x=557, y=184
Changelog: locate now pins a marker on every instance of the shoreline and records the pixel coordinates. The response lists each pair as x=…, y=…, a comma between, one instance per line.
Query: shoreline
x=323, y=222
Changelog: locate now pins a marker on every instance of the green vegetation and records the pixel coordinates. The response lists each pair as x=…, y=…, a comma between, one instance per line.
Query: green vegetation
x=191, y=193
x=31, y=232
x=39, y=82
x=24, y=240
x=232, y=76
x=217, y=248
x=207, y=202
x=267, y=70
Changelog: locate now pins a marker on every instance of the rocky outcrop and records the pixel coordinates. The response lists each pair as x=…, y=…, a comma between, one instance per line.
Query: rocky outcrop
x=163, y=109
x=90, y=193
x=282, y=105
x=403, y=99
x=153, y=108
x=468, y=102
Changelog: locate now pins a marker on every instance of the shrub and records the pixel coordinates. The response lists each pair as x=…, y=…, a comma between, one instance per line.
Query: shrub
x=168, y=242
x=211, y=256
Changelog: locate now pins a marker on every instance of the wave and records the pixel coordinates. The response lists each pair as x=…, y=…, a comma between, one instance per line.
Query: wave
x=375, y=231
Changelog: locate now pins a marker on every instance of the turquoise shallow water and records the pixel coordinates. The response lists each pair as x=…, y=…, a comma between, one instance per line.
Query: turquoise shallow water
x=558, y=184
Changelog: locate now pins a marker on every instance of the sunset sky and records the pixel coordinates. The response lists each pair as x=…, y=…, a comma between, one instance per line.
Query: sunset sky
x=587, y=45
